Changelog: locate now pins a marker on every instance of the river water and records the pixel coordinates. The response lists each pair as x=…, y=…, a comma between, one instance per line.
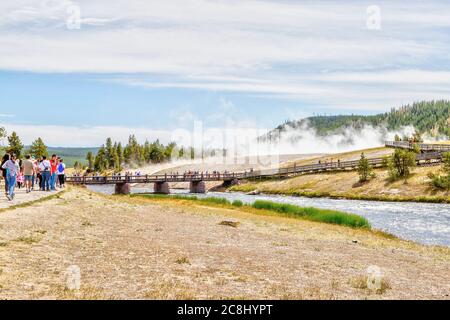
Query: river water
x=426, y=223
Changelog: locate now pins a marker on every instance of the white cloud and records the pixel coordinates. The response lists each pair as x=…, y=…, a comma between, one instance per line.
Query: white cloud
x=318, y=52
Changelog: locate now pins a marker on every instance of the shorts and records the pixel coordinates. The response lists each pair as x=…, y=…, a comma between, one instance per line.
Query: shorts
x=28, y=178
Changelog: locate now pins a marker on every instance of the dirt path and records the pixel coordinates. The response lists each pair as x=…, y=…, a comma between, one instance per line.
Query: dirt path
x=21, y=197
x=138, y=249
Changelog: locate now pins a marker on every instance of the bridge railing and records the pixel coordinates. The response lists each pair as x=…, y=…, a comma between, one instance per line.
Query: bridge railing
x=282, y=172
x=422, y=146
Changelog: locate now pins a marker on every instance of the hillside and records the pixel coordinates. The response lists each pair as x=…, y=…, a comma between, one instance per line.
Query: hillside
x=71, y=155
x=427, y=117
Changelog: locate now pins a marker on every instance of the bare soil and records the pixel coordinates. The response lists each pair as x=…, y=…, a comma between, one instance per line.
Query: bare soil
x=142, y=249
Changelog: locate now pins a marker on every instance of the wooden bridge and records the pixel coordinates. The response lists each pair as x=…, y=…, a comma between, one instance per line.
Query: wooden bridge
x=430, y=154
x=424, y=147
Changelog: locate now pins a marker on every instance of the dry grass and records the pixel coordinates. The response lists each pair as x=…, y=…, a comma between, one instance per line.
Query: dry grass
x=233, y=224
x=141, y=249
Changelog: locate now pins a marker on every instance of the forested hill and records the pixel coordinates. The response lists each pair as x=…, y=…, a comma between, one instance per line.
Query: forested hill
x=431, y=117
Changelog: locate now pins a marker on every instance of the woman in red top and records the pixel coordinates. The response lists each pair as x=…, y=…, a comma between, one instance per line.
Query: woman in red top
x=53, y=168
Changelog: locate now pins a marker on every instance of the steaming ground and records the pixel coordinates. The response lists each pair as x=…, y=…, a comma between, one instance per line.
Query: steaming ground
x=238, y=164
x=308, y=140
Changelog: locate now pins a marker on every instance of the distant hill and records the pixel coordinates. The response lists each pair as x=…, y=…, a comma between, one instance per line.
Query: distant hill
x=431, y=117
x=71, y=155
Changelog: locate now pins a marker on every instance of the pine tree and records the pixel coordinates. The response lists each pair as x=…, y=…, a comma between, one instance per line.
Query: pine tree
x=101, y=163
x=117, y=166
x=109, y=153
x=2, y=133
x=38, y=149
x=120, y=153
x=15, y=145
x=90, y=159
x=2, y=136
x=169, y=151
x=365, y=170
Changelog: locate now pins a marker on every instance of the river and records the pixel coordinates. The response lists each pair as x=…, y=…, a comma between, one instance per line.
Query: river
x=425, y=223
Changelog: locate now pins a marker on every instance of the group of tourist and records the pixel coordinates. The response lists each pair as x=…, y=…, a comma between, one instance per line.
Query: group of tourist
x=47, y=174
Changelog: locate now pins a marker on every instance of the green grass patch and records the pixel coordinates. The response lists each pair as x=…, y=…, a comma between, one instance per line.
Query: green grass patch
x=314, y=214
x=237, y=203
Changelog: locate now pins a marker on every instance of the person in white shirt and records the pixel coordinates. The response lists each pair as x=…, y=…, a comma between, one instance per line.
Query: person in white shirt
x=11, y=174
x=45, y=168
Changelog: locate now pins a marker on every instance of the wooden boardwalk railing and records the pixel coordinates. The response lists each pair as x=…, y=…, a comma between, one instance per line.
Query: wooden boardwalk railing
x=425, y=147
x=432, y=154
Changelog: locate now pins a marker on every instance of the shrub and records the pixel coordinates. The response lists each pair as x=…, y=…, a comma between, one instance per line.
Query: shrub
x=237, y=203
x=401, y=163
x=442, y=181
x=365, y=170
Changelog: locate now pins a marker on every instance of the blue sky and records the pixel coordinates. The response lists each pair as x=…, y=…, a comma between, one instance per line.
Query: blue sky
x=86, y=100
x=88, y=70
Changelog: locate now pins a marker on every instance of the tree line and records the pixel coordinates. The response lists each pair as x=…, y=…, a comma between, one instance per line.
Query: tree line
x=113, y=156
x=37, y=149
x=431, y=117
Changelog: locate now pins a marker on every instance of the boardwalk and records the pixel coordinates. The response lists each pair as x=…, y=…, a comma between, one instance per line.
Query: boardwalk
x=424, y=147
x=313, y=168
x=430, y=154
x=22, y=197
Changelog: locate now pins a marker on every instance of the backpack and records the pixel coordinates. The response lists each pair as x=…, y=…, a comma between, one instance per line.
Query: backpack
x=61, y=168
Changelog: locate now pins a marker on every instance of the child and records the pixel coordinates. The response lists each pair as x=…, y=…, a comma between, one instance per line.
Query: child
x=20, y=180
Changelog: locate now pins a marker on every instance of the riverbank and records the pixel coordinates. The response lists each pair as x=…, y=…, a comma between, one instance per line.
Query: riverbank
x=345, y=185
x=135, y=248
x=270, y=207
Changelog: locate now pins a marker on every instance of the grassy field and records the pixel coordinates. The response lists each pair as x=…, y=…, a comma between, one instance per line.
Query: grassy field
x=148, y=248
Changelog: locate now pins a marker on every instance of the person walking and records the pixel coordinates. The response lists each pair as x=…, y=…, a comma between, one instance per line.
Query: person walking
x=45, y=173
x=61, y=173
x=11, y=175
x=5, y=158
x=53, y=169
x=39, y=170
x=28, y=172
x=20, y=178
x=35, y=172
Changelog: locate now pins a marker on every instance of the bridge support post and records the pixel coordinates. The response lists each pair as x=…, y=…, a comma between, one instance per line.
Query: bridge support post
x=197, y=187
x=161, y=187
x=122, y=188
x=230, y=183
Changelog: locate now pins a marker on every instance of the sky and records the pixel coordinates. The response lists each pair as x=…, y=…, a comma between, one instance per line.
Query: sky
x=75, y=72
